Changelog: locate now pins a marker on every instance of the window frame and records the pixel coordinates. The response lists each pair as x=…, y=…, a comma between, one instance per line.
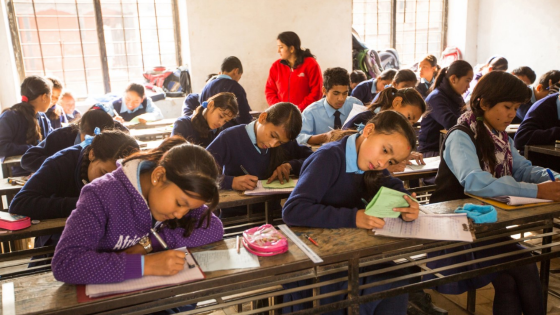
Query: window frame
x=18, y=52
x=393, y=31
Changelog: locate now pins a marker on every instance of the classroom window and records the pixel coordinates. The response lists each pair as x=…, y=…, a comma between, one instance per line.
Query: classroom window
x=414, y=28
x=94, y=46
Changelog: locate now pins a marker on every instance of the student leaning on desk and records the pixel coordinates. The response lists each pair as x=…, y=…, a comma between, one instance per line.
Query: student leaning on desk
x=329, y=194
x=172, y=188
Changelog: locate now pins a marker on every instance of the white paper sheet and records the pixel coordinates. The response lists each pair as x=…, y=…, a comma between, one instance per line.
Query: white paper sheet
x=431, y=164
x=226, y=259
x=260, y=190
x=445, y=227
x=518, y=201
x=356, y=109
x=184, y=276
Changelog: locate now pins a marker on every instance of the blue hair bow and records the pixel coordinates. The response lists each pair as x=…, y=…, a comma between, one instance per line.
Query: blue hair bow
x=205, y=104
x=360, y=127
x=89, y=139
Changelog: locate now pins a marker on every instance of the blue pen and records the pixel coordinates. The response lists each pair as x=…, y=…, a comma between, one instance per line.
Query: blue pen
x=550, y=175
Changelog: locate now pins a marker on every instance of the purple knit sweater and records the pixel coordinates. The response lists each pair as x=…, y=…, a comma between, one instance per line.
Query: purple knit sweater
x=112, y=215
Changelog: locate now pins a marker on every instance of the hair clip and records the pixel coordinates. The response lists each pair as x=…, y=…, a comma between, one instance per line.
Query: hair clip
x=89, y=139
x=204, y=104
x=479, y=118
x=24, y=98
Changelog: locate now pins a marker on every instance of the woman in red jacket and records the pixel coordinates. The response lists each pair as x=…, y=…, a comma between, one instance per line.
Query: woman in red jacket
x=296, y=77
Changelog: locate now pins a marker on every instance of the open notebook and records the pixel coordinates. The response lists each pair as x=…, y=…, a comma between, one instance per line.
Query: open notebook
x=431, y=164
x=445, y=227
x=513, y=202
x=261, y=190
x=518, y=201
x=184, y=276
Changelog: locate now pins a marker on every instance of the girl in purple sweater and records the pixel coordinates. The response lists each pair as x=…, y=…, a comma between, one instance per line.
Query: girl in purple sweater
x=107, y=237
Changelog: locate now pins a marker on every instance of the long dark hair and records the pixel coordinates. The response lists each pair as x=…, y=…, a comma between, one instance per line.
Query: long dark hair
x=493, y=88
x=109, y=145
x=288, y=116
x=225, y=101
x=32, y=87
x=410, y=97
x=405, y=75
x=292, y=39
x=387, y=122
x=192, y=169
x=459, y=68
x=95, y=118
x=53, y=114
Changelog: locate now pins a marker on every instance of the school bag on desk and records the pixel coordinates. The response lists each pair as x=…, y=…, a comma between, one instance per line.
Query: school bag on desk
x=13, y=222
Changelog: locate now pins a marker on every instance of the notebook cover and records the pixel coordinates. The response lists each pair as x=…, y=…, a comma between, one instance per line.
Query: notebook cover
x=505, y=206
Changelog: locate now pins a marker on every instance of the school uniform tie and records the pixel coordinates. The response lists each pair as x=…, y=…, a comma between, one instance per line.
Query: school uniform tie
x=337, y=122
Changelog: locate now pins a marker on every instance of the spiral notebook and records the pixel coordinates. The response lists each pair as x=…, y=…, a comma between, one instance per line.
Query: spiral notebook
x=147, y=282
x=261, y=190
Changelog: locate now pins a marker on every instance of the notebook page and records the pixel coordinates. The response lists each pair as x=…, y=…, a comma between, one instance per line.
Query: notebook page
x=186, y=275
x=446, y=227
x=431, y=164
x=356, y=109
x=226, y=259
x=260, y=190
x=517, y=201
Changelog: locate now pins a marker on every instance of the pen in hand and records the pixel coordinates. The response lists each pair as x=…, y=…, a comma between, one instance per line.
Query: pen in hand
x=550, y=175
x=244, y=170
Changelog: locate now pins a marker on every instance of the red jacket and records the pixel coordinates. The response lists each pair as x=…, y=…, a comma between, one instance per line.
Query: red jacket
x=300, y=86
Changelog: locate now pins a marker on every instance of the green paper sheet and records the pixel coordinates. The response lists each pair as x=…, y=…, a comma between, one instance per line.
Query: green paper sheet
x=381, y=206
x=148, y=117
x=276, y=184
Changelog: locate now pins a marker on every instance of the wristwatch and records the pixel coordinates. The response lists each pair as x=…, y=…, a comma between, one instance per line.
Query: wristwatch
x=146, y=243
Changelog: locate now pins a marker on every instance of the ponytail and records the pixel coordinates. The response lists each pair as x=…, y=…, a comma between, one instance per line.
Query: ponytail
x=225, y=101
x=410, y=97
x=192, y=169
x=439, y=78
x=384, y=100
x=458, y=68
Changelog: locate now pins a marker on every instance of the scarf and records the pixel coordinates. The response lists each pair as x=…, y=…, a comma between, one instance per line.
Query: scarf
x=502, y=150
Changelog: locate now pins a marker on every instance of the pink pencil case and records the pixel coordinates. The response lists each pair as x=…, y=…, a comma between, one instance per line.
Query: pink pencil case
x=265, y=240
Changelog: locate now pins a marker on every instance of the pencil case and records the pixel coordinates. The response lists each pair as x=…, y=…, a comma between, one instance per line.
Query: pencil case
x=13, y=222
x=265, y=240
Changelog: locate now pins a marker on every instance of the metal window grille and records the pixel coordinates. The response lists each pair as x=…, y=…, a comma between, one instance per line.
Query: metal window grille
x=94, y=46
x=415, y=28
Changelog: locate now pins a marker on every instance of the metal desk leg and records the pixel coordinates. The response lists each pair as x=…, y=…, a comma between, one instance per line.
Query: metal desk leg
x=545, y=264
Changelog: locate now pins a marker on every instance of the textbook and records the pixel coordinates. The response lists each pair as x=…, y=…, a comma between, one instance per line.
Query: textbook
x=513, y=202
x=262, y=190
x=382, y=204
x=186, y=275
x=13, y=222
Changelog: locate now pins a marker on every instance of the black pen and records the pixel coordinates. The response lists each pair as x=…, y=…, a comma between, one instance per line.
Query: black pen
x=244, y=170
x=364, y=201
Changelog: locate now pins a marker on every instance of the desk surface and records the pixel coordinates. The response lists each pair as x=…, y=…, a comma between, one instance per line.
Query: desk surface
x=151, y=132
x=544, y=149
x=41, y=293
x=12, y=160
x=152, y=124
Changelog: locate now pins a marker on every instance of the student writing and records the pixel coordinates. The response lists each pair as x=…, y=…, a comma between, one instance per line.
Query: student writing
x=134, y=103
x=24, y=125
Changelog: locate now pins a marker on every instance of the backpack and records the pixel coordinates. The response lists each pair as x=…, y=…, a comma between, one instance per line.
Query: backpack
x=175, y=83
x=449, y=55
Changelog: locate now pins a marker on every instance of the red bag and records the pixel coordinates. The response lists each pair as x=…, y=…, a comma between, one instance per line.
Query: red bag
x=13, y=222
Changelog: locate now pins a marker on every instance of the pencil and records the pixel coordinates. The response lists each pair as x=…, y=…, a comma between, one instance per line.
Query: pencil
x=244, y=170
x=238, y=244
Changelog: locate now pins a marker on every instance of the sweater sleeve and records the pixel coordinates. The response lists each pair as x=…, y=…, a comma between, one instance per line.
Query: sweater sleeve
x=534, y=130
x=443, y=113
x=461, y=158
x=244, y=108
x=304, y=208
x=190, y=104
x=200, y=236
x=219, y=149
x=524, y=171
x=36, y=199
x=271, y=90
x=35, y=156
x=152, y=108
x=315, y=86
x=8, y=129
x=76, y=259
x=307, y=127
x=299, y=154
x=183, y=128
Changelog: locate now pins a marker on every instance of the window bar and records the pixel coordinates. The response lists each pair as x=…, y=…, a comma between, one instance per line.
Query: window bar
x=18, y=53
x=177, y=27
x=365, y=7
x=38, y=37
x=82, y=46
x=140, y=32
x=415, y=26
x=444, y=11
x=157, y=31
x=394, y=24
x=102, y=46
x=377, y=29
x=124, y=37
x=60, y=43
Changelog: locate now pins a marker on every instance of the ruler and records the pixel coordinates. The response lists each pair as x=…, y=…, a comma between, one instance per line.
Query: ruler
x=306, y=250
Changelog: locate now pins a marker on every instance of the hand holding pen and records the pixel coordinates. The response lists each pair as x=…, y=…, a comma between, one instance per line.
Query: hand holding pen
x=549, y=190
x=247, y=182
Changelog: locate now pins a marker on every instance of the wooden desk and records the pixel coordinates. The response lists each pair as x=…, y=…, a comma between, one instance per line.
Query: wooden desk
x=153, y=124
x=544, y=149
x=341, y=250
x=512, y=129
x=148, y=145
x=8, y=163
x=151, y=133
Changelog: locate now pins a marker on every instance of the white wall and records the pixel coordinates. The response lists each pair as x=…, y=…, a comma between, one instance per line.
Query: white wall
x=526, y=32
x=247, y=29
x=9, y=80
